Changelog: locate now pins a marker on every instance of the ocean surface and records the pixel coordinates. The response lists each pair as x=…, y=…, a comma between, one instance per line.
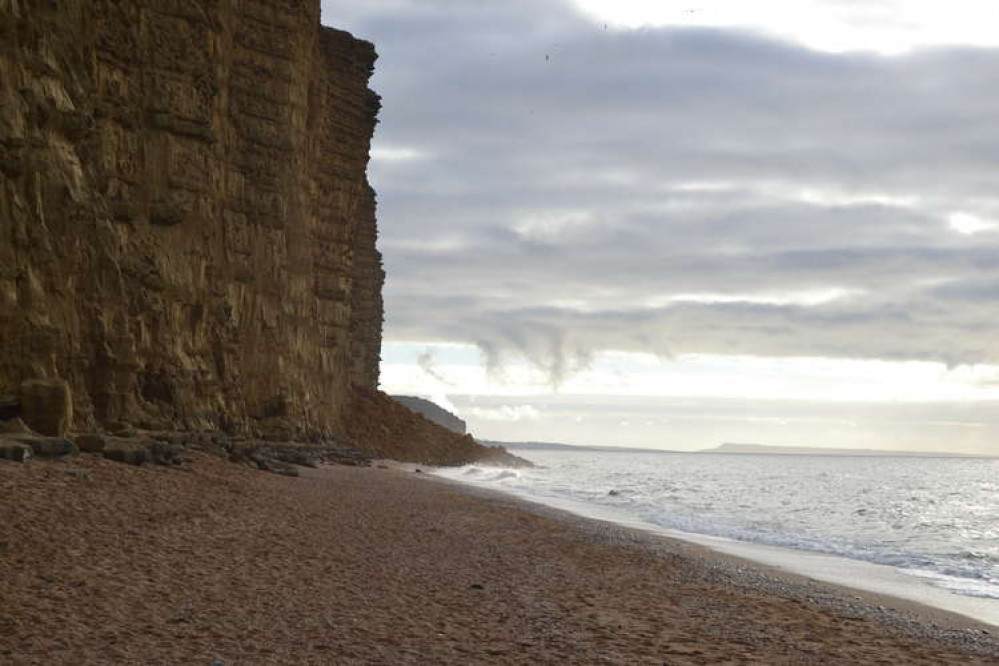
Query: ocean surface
x=936, y=519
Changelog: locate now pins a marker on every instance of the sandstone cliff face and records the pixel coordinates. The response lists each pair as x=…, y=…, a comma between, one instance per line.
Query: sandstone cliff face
x=187, y=235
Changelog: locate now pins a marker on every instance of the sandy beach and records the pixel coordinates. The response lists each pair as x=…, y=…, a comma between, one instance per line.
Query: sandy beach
x=103, y=563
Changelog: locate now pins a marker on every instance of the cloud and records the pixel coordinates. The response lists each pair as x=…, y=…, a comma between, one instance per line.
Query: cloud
x=564, y=205
x=505, y=413
x=885, y=26
x=425, y=361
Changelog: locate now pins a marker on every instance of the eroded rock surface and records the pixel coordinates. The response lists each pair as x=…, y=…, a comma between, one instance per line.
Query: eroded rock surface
x=187, y=235
x=384, y=427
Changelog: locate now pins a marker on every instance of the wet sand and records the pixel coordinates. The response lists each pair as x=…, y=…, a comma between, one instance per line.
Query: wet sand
x=109, y=564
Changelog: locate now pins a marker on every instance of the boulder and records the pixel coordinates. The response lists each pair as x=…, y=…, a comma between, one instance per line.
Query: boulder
x=47, y=406
x=46, y=447
x=91, y=443
x=14, y=451
x=130, y=454
x=131, y=450
x=164, y=453
x=305, y=456
x=348, y=456
x=262, y=457
x=265, y=459
x=277, y=467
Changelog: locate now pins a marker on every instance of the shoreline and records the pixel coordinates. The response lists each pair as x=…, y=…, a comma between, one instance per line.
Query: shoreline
x=105, y=563
x=736, y=562
x=879, y=584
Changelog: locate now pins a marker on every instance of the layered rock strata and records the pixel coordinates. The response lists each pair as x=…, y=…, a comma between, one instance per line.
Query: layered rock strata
x=187, y=235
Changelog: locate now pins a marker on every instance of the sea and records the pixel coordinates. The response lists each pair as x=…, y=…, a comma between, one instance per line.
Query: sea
x=926, y=529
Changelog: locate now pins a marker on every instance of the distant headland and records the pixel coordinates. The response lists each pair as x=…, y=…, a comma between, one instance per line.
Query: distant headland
x=763, y=449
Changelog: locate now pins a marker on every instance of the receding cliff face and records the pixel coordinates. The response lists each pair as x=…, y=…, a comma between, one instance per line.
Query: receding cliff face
x=432, y=412
x=187, y=235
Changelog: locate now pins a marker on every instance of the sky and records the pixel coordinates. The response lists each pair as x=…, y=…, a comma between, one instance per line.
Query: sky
x=677, y=224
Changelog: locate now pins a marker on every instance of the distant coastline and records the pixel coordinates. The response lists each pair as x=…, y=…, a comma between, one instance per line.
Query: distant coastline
x=741, y=449
x=557, y=446
x=763, y=449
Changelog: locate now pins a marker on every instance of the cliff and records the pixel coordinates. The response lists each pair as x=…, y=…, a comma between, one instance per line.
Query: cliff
x=432, y=412
x=187, y=235
x=379, y=424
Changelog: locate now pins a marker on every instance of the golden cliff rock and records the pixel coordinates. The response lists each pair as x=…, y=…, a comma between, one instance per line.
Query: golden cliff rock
x=187, y=234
